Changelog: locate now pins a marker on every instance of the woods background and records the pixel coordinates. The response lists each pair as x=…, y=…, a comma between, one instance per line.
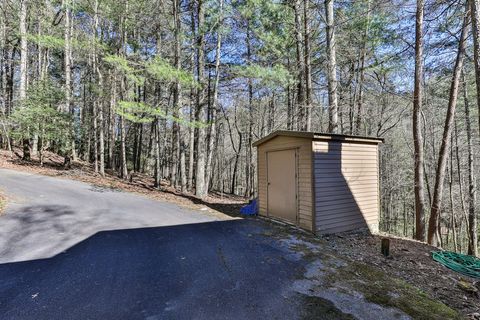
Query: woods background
x=179, y=90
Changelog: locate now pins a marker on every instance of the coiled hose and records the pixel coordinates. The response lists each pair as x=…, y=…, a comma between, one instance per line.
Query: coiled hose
x=466, y=265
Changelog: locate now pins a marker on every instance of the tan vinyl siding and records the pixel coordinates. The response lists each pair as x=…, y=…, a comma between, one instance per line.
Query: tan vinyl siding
x=304, y=175
x=346, y=186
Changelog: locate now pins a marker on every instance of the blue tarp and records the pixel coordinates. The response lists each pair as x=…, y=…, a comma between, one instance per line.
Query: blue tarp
x=250, y=209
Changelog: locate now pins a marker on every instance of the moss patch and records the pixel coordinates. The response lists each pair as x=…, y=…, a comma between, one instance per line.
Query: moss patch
x=319, y=308
x=381, y=289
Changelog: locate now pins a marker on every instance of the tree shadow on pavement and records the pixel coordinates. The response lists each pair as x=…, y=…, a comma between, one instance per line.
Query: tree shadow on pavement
x=214, y=270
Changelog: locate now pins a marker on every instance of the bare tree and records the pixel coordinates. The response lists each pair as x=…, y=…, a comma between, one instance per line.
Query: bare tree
x=472, y=188
x=23, y=67
x=123, y=131
x=447, y=131
x=101, y=131
x=417, y=126
x=475, y=16
x=212, y=136
x=200, y=190
x=308, y=67
x=363, y=56
x=22, y=91
x=332, y=68
x=300, y=97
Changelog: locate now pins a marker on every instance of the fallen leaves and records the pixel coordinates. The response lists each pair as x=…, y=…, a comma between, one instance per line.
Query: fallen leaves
x=411, y=261
x=218, y=204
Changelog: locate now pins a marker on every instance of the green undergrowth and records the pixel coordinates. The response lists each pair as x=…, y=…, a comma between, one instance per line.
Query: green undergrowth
x=379, y=288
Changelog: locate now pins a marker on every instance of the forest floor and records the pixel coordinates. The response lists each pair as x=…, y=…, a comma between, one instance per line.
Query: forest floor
x=3, y=201
x=215, y=203
x=410, y=261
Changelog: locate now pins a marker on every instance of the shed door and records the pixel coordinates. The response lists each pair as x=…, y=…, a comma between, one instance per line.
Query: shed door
x=282, y=185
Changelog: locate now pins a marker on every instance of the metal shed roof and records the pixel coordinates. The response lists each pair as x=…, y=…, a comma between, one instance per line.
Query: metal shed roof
x=319, y=136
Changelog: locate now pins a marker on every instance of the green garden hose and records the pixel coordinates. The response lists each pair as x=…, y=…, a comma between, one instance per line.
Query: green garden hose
x=467, y=265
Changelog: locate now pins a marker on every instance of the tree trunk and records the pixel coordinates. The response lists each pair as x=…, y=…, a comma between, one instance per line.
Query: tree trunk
x=450, y=184
x=138, y=154
x=23, y=67
x=68, y=70
x=67, y=56
x=101, y=138
x=200, y=189
x=235, y=169
x=417, y=127
x=123, y=152
x=95, y=135
x=443, y=155
x=363, y=54
x=460, y=183
x=332, y=68
x=23, y=50
x=101, y=131
x=475, y=15
x=112, y=131
x=250, y=163
x=212, y=136
x=157, y=169
x=95, y=120
x=178, y=150
x=4, y=63
x=300, y=65
x=123, y=131
x=183, y=170
x=472, y=188
x=289, y=103
x=191, y=129
x=39, y=76
x=308, y=68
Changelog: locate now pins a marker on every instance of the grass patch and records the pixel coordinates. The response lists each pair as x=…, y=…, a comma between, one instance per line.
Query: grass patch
x=379, y=288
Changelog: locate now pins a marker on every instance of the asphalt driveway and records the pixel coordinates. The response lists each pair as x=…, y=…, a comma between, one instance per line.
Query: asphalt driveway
x=69, y=250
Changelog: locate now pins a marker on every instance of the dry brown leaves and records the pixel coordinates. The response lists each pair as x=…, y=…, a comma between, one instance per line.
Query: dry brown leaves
x=411, y=261
x=216, y=204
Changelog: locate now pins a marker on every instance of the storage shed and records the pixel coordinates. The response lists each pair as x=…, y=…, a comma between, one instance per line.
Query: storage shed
x=325, y=183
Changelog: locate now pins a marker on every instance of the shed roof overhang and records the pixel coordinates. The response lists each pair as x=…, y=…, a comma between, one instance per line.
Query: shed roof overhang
x=318, y=136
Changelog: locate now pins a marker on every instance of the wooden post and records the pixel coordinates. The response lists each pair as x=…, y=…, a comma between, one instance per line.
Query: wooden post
x=386, y=247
